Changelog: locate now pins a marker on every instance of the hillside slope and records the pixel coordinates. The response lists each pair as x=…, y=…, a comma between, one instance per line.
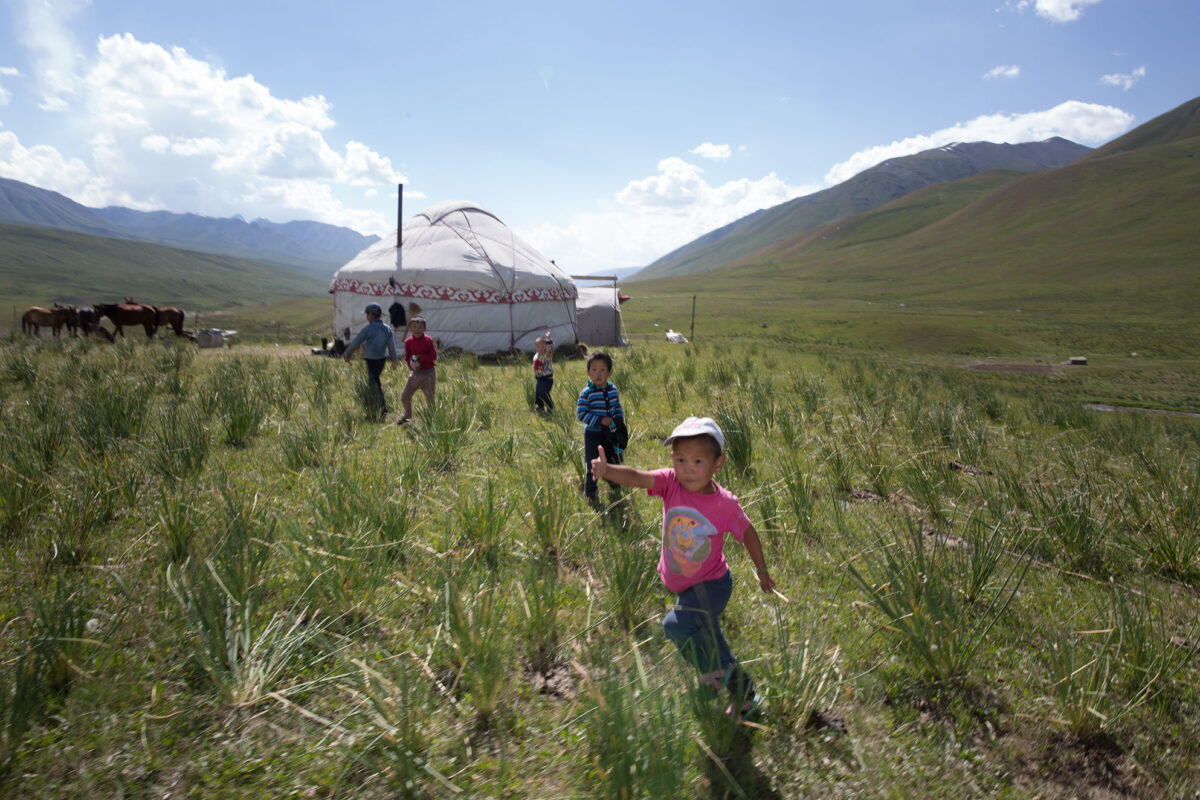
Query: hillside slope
x=869, y=189
x=43, y=265
x=1100, y=256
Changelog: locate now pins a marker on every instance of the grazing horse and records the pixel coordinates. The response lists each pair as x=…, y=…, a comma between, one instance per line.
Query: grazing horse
x=37, y=317
x=124, y=314
x=89, y=320
x=171, y=316
x=70, y=315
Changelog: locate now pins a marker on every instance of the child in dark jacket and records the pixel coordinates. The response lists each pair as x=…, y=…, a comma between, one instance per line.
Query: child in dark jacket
x=599, y=408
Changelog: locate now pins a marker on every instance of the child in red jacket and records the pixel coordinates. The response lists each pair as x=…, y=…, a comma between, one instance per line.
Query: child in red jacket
x=420, y=354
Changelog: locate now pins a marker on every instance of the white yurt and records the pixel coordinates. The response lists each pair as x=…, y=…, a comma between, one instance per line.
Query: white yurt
x=598, y=310
x=477, y=284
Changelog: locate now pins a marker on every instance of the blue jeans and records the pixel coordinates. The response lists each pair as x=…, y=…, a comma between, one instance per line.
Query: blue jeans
x=694, y=624
x=542, y=392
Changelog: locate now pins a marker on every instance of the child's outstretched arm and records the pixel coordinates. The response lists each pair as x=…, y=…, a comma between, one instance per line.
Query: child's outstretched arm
x=619, y=473
x=754, y=549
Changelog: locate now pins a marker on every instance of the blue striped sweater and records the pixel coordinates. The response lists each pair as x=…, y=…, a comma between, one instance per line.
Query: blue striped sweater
x=597, y=403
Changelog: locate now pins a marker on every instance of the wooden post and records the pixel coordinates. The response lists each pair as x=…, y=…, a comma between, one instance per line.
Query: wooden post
x=692, y=330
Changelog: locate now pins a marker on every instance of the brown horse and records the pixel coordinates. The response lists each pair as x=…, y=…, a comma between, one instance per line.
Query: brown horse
x=70, y=316
x=37, y=317
x=172, y=317
x=126, y=314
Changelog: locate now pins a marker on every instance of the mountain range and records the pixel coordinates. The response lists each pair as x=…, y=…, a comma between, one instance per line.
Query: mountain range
x=867, y=190
x=313, y=248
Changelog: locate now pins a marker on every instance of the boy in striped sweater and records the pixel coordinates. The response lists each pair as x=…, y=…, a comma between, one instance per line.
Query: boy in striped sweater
x=599, y=408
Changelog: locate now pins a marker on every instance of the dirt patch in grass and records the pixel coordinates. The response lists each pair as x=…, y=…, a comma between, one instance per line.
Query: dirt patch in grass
x=556, y=681
x=1094, y=769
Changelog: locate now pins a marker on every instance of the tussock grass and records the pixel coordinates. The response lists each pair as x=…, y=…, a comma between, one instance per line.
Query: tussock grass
x=285, y=596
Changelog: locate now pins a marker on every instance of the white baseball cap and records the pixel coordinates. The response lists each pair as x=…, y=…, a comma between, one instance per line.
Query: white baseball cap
x=698, y=426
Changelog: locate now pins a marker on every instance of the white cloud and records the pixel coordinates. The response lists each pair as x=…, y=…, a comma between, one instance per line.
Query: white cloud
x=1009, y=71
x=168, y=130
x=716, y=152
x=1085, y=123
x=42, y=27
x=656, y=214
x=1054, y=10
x=45, y=167
x=1124, y=80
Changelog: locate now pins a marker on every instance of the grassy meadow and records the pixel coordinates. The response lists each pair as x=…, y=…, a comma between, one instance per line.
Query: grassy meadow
x=222, y=577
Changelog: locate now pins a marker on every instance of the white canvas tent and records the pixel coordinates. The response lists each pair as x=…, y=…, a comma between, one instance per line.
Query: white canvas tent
x=476, y=283
x=599, y=314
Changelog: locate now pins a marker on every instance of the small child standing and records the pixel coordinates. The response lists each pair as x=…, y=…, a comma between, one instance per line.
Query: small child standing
x=543, y=371
x=598, y=408
x=420, y=353
x=378, y=345
x=697, y=513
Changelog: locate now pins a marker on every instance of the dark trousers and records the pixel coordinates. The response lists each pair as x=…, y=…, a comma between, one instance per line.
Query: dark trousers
x=542, y=390
x=592, y=442
x=374, y=370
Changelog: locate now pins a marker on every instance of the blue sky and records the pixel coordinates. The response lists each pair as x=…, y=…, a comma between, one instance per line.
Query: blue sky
x=605, y=134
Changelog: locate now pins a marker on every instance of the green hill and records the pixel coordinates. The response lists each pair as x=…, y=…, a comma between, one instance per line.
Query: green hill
x=43, y=265
x=867, y=190
x=1100, y=255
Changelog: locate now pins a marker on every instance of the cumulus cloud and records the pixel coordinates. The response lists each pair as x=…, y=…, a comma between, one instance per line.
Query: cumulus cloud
x=43, y=28
x=45, y=167
x=716, y=152
x=1009, y=71
x=1124, y=80
x=1085, y=123
x=1055, y=10
x=653, y=215
x=169, y=130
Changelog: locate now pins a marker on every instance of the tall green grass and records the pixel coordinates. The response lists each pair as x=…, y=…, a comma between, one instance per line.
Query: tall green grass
x=319, y=604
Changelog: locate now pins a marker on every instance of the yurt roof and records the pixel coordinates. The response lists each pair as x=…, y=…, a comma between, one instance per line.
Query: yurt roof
x=455, y=244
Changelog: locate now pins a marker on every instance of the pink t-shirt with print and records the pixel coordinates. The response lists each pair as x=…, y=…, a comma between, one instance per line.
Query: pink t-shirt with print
x=694, y=528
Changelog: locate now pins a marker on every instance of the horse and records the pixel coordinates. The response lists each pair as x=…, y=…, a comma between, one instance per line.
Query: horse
x=70, y=316
x=123, y=314
x=171, y=316
x=89, y=320
x=36, y=317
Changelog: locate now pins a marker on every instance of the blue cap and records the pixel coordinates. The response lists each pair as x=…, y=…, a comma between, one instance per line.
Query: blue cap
x=373, y=308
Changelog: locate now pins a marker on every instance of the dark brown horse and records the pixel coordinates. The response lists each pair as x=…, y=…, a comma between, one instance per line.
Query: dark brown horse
x=89, y=320
x=70, y=315
x=129, y=314
x=171, y=317
x=36, y=318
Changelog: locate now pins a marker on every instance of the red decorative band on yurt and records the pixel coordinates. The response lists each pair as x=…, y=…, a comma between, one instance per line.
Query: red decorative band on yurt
x=370, y=289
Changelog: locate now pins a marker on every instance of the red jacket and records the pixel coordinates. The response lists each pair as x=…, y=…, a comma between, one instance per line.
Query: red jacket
x=423, y=350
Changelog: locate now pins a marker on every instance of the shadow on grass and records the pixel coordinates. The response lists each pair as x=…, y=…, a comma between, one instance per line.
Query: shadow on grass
x=731, y=772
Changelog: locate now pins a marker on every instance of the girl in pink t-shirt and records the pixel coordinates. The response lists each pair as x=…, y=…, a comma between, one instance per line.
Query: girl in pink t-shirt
x=697, y=513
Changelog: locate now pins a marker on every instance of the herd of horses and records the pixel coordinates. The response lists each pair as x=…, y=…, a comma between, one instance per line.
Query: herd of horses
x=87, y=319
